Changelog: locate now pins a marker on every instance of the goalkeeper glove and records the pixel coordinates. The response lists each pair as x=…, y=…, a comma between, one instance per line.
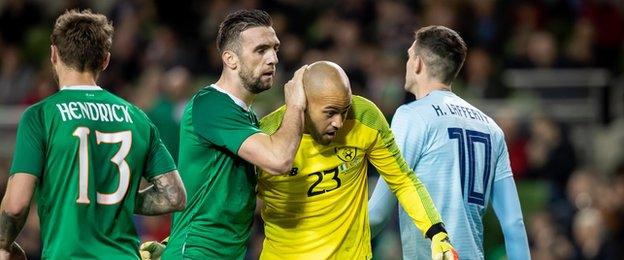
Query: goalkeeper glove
x=441, y=248
x=152, y=250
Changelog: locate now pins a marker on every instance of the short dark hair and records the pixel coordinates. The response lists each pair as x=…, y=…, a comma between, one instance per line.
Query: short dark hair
x=442, y=50
x=237, y=22
x=83, y=39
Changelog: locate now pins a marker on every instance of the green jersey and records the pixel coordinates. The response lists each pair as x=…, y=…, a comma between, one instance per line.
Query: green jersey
x=220, y=186
x=89, y=149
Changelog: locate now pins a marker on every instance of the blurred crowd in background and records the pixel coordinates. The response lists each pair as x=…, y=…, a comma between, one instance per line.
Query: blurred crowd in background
x=566, y=139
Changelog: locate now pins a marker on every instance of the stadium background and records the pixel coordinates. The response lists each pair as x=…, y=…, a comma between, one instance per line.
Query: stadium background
x=550, y=72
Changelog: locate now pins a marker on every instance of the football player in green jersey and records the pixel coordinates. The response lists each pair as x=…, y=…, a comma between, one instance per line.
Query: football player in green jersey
x=220, y=142
x=84, y=150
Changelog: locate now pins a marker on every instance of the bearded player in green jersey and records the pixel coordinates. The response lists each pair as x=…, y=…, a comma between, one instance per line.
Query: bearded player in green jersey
x=84, y=150
x=220, y=142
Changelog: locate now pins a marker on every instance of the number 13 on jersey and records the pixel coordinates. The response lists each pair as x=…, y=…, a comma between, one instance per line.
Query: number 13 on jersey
x=119, y=159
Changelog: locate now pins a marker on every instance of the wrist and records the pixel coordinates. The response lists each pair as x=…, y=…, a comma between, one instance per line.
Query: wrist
x=435, y=229
x=295, y=107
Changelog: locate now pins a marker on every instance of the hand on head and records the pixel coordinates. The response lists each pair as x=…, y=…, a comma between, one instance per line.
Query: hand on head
x=294, y=93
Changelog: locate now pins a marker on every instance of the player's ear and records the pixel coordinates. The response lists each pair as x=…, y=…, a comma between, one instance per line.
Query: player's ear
x=53, y=54
x=106, y=61
x=419, y=66
x=230, y=59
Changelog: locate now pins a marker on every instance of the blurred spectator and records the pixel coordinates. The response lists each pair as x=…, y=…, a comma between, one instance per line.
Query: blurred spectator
x=485, y=29
x=509, y=121
x=606, y=17
x=44, y=87
x=579, y=48
x=540, y=52
x=590, y=236
x=16, y=78
x=395, y=26
x=481, y=77
x=609, y=147
x=166, y=111
x=551, y=155
x=546, y=241
x=16, y=18
x=161, y=47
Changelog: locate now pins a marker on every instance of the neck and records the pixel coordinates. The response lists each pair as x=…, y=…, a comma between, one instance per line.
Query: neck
x=72, y=78
x=428, y=87
x=231, y=82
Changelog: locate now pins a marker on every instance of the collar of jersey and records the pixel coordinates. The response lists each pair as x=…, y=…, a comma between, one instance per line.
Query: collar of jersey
x=236, y=100
x=438, y=91
x=81, y=87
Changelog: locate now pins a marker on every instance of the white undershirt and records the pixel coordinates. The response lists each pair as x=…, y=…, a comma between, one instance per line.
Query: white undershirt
x=81, y=87
x=236, y=100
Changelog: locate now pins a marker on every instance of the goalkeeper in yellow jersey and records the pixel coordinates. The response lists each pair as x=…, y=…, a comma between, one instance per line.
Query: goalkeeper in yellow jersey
x=318, y=210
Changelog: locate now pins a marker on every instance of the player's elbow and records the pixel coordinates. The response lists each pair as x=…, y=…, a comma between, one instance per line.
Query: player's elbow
x=279, y=166
x=179, y=200
x=513, y=226
x=15, y=209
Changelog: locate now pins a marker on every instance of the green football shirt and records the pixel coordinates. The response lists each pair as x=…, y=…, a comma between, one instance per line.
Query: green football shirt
x=89, y=149
x=220, y=185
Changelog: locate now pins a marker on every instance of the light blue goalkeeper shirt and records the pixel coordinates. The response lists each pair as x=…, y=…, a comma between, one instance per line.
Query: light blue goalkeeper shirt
x=459, y=153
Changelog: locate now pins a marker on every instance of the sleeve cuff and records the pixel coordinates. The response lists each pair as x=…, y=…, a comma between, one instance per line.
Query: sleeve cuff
x=435, y=229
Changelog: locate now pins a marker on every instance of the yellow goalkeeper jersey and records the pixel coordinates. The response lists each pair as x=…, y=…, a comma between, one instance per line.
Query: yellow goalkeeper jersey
x=319, y=209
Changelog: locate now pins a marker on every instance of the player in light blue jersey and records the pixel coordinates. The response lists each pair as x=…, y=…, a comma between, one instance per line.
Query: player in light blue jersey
x=457, y=151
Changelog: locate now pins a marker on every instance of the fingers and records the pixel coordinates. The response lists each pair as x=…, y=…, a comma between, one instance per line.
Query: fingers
x=450, y=255
x=151, y=250
x=145, y=255
x=298, y=77
x=294, y=93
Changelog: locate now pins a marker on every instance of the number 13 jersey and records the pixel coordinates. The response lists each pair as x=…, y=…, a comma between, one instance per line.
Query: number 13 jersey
x=89, y=149
x=319, y=210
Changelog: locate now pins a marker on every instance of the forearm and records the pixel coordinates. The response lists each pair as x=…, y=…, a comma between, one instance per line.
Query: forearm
x=416, y=201
x=15, y=207
x=287, y=138
x=381, y=205
x=166, y=194
x=10, y=227
x=516, y=242
x=508, y=211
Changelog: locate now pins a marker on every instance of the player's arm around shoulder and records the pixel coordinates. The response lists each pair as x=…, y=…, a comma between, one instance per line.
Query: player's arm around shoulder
x=166, y=194
x=275, y=153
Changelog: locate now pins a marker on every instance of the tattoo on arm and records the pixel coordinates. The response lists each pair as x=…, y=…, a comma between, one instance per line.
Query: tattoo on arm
x=10, y=226
x=167, y=194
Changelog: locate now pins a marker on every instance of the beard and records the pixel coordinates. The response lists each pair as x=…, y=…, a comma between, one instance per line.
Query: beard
x=311, y=128
x=251, y=83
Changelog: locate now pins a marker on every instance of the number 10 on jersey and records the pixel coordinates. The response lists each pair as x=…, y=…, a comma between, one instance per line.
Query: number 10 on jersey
x=466, y=140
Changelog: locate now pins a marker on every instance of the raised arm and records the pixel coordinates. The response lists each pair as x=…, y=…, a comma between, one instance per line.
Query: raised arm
x=275, y=153
x=507, y=208
x=381, y=205
x=166, y=194
x=14, y=210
